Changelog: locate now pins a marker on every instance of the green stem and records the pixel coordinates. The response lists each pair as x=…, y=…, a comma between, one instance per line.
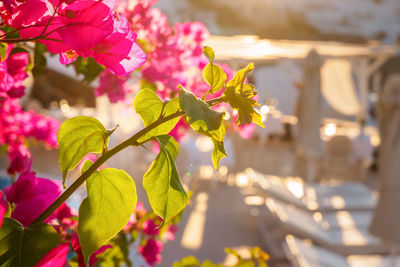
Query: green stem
x=132, y=141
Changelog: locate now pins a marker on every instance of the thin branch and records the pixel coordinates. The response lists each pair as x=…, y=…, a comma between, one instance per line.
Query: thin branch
x=132, y=141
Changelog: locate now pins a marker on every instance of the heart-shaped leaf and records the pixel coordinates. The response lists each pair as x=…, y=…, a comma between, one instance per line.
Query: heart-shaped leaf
x=76, y=138
x=149, y=106
x=214, y=76
x=166, y=194
x=106, y=210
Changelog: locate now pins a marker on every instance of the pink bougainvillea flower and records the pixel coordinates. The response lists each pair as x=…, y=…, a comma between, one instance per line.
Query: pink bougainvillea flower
x=131, y=222
x=57, y=257
x=19, y=157
x=87, y=23
x=118, y=52
x=18, y=14
x=140, y=210
x=93, y=258
x=171, y=230
x=16, y=125
x=115, y=87
x=31, y=196
x=180, y=130
x=16, y=65
x=151, y=251
x=150, y=228
x=56, y=44
x=3, y=207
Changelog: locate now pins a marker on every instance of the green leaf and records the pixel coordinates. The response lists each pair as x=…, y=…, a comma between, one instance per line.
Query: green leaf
x=245, y=263
x=39, y=60
x=217, y=137
x=238, y=80
x=106, y=210
x=149, y=106
x=244, y=106
x=257, y=118
x=214, y=76
x=25, y=246
x=144, y=84
x=3, y=51
x=165, y=192
x=77, y=137
x=218, y=153
x=208, y=52
x=189, y=261
x=7, y=214
x=201, y=116
x=86, y=165
x=208, y=263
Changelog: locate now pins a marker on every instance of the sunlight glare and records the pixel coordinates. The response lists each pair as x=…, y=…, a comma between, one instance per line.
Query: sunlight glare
x=193, y=234
x=330, y=129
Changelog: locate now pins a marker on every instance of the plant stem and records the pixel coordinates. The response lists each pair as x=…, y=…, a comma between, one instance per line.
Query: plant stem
x=131, y=141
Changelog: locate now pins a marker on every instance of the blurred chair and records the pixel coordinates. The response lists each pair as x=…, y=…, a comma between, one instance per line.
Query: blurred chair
x=337, y=163
x=292, y=220
x=303, y=253
x=315, y=197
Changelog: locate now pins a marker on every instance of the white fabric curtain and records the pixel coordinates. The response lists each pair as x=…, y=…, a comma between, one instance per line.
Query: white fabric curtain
x=338, y=87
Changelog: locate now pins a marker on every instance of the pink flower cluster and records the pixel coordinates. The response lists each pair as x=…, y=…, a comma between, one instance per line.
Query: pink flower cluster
x=31, y=195
x=16, y=125
x=146, y=225
x=116, y=87
x=72, y=28
x=12, y=73
x=173, y=51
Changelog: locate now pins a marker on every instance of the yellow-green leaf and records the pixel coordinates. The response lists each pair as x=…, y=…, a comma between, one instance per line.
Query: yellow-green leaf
x=149, y=106
x=214, y=76
x=201, y=116
x=106, y=210
x=189, y=261
x=238, y=80
x=76, y=138
x=208, y=52
x=165, y=192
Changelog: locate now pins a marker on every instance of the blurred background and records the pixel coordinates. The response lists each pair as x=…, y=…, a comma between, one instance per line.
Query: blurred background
x=306, y=187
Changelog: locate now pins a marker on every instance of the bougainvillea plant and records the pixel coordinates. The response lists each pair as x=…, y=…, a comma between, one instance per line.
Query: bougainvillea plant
x=102, y=37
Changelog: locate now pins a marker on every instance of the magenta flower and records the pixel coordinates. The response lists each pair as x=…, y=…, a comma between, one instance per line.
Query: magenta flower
x=171, y=230
x=93, y=258
x=86, y=23
x=18, y=14
x=88, y=28
x=131, y=222
x=57, y=257
x=115, y=87
x=31, y=196
x=19, y=157
x=150, y=228
x=152, y=251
